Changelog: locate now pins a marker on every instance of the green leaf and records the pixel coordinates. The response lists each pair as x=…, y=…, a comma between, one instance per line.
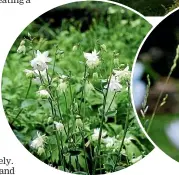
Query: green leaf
x=114, y=128
x=27, y=103
x=82, y=161
x=132, y=150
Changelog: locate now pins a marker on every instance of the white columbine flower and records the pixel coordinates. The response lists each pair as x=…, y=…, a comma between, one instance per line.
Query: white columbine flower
x=109, y=141
x=92, y=59
x=114, y=85
x=40, y=61
x=62, y=87
x=59, y=126
x=95, y=135
x=43, y=93
x=121, y=74
x=39, y=141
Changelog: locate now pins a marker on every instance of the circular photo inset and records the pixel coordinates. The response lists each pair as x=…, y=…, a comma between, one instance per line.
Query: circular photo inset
x=66, y=88
x=151, y=7
x=155, y=85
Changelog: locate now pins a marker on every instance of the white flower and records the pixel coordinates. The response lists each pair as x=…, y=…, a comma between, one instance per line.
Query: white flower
x=62, y=87
x=109, y=141
x=121, y=74
x=114, y=85
x=29, y=73
x=59, y=126
x=92, y=59
x=40, y=61
x=95, y=135
x=39, y=141
x=43, y=93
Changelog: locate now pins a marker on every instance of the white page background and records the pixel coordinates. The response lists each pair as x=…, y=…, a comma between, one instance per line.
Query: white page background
x=13, y=19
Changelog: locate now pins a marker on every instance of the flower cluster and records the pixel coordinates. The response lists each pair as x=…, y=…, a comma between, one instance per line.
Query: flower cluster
x=59, y=90
x=38, y=143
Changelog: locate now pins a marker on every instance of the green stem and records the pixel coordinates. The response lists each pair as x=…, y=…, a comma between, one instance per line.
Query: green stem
x=111, y=102
x=101, y=127
x=162, y=91
x=20, y=111
x=83, y=89
x=84, y=150
x=62, y=150
x=54, y=64
x=59, y=150
x=125, y=130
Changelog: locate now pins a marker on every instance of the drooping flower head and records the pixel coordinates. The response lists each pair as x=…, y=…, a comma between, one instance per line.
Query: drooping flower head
x=109, y=141
x=40, y=61
x=39, y=141
x=59, y=126
x=92, y=59
x=96, y=132
x=43, y=94
x=29, y=73
x=62, y=87
x=114, y=85
x=122, y=74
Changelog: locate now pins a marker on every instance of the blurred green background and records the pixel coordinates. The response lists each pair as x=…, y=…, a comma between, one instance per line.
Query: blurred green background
x=159, y=137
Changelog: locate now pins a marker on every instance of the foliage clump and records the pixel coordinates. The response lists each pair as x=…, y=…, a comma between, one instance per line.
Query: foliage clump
x=66, y=93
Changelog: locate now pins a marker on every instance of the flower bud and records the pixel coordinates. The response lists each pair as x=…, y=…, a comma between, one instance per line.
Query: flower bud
x=103, y=47
x=29, y=35
x=75, y=106
x=79, y=123
x=29, y=73
x=40, y=151
x=21, y=49
x=43, y=94
x=49, y=120
x=62, y=87
x=59, y=126
x=75, y=48
x=22, y=42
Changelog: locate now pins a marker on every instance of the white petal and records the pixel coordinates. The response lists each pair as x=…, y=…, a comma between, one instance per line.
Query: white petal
x=46, y=53
x=87, y=55
x=38, y=53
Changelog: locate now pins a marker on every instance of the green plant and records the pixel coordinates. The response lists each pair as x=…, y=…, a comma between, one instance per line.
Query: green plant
x=70, y=106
